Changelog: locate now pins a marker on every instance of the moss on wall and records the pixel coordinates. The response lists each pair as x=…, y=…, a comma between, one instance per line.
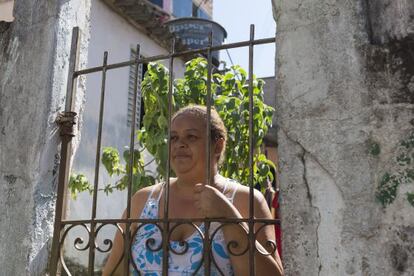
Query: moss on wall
x=403, y=173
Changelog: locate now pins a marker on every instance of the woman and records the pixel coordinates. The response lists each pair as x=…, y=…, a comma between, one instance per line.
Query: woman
x=190, y=197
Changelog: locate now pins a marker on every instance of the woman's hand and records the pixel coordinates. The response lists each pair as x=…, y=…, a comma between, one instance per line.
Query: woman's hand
x=210, y=202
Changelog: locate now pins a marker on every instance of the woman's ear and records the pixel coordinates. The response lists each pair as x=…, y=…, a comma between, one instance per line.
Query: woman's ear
x=219, y=146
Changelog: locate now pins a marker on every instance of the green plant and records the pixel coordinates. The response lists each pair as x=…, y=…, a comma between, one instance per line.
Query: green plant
x=230, y=97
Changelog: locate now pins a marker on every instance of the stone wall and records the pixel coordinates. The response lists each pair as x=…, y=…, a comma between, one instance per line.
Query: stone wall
x=34, y=52
x=345, y=112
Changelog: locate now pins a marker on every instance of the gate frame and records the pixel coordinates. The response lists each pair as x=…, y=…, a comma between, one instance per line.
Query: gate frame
x=66, y=121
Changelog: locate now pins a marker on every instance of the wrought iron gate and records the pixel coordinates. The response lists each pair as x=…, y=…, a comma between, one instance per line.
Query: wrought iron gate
x=94, y=225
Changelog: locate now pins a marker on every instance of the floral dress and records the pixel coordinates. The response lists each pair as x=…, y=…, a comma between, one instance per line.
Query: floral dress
x=147, y=249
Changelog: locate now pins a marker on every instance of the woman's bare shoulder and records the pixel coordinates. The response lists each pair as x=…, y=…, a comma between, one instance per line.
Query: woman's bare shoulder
x=242, y=199
x=243, y=192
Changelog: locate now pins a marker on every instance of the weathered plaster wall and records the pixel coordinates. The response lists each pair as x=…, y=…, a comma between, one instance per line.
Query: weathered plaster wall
x=390, y=20
x=345, y=112
x=34, y=57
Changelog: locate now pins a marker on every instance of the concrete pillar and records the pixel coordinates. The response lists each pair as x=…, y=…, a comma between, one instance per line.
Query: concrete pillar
x=34, y=52
x=345, y=113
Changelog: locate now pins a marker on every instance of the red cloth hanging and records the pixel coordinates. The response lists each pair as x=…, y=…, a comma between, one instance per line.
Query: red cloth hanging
x=278, y=230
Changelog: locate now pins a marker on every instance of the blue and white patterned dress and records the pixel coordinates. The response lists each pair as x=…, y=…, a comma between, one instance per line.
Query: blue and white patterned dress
x=149, y=262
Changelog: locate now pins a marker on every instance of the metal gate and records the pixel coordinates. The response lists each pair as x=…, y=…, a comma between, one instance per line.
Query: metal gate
x=94, y=225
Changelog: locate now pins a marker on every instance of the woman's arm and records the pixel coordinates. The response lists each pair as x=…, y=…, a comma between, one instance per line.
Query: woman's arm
x=116, y=255
x=265, y=263
x=137, y=204
x=212, y=203
x=267, y=233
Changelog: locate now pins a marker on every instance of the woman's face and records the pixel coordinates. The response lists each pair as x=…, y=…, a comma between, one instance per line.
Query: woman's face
x=188, y=145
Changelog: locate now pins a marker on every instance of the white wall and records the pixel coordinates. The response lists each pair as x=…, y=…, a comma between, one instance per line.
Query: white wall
x=6, y=10
x=109, y=32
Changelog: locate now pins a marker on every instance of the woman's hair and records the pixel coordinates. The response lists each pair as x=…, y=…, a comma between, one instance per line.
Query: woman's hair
x=218, y=130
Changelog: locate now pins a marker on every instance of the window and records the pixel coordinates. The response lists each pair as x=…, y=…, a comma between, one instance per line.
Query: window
x=142, y=68
x=182, y=8
x=159, y=3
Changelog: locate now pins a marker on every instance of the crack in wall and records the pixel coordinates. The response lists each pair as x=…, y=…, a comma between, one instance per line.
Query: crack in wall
x=309, y=194
x=310, y=155
x=302, y=156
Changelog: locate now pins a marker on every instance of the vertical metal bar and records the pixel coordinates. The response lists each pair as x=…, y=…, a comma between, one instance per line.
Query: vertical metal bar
x=127, y=240
x=207, y=249
x=208, y=105
x=97, y=164
x=252, y=242
x=65, y=153
x=73, y=64
x=166, y=225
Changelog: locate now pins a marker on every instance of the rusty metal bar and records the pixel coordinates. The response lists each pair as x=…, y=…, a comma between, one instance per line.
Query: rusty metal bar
x=73, y=64
x=65, y=154
x=132, y=133
x=208, y=105
x=166, y=222
x=207, y=261
x=252, y=242
x=174, y=220
x=91, y=263
x=127, y=236
x=179, y=54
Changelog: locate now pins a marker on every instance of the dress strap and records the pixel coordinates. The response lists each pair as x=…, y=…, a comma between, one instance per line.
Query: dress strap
x=145, y=210
x=233, y=194
x=151, y=193
x=161, y=191
x=225, y=187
